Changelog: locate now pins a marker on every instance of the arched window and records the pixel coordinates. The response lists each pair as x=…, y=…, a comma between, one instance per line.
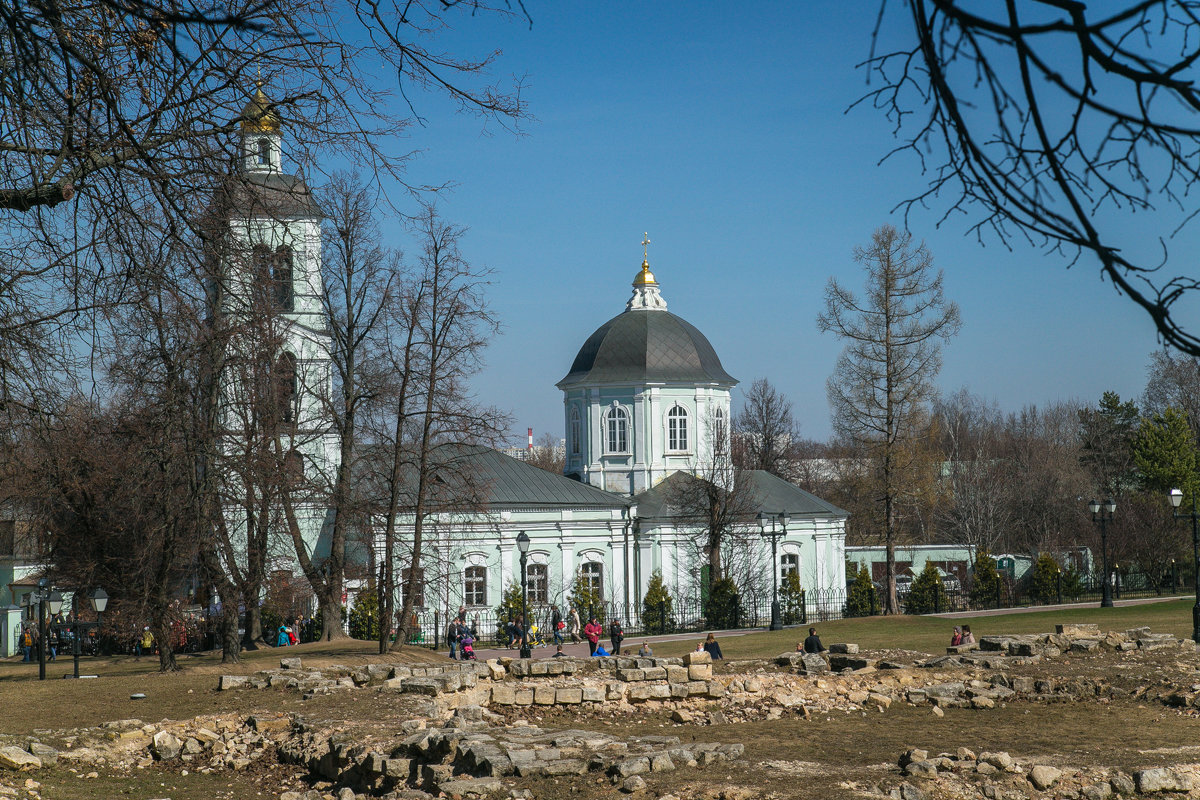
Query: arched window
x=617, y=437
x=591, y=574
x=576, y=430
x=720, y=433
x=475, y=586
x=286, y=388
x=677, y=428
x=264, y=152
x=537, y=580
x=281, y=279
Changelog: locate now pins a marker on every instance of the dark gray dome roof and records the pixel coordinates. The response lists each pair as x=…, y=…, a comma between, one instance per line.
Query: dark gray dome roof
x=641, y=346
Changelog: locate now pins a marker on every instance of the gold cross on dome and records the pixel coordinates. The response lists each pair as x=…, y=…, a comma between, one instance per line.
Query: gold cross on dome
x=645, y=246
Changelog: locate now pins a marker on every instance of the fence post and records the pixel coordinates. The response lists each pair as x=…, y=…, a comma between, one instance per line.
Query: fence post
x=1058, y=581
x=437, y=627
x=803, y=607
x=998, y=593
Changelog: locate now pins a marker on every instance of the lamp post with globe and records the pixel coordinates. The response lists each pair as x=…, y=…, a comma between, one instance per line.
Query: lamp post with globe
x=1176, y=497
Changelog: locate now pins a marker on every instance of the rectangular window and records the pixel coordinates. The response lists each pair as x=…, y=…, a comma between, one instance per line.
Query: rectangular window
x=538, y=583
x=475, y=586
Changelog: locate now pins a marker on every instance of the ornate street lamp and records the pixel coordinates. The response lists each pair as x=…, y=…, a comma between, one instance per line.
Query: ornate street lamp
x=1102, y=514
x=774, y=535
x=523, y=547
x=99, y=601
x=1176, y=499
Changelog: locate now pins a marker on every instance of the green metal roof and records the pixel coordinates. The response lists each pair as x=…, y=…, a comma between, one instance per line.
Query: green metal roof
x=643, y=345
x=772, y=494
x=500, y=481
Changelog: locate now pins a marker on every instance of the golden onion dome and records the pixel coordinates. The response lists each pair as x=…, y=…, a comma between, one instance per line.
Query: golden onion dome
x=645, y=277
x=259, y=115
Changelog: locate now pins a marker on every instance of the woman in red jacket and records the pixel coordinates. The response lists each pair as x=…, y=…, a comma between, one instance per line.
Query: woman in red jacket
x=593, y=630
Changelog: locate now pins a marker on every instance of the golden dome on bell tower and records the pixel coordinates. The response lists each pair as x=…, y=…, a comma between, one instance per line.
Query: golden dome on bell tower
x=645, y=277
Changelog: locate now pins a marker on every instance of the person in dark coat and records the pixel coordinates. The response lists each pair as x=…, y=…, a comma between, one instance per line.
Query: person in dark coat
x=813, y=643
x=712, y=648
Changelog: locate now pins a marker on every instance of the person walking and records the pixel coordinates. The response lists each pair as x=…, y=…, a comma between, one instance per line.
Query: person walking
x=592, y=631
x=557, y=624
x=453, y=634
x=616, y=635
x=574, y=626
x=27, y=639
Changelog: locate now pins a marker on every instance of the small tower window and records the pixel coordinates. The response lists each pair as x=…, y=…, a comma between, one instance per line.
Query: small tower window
x=286, y=387
x=618, y=431
x=281, y=279
x=677, y=428
x=576, y=430
x=264, y=152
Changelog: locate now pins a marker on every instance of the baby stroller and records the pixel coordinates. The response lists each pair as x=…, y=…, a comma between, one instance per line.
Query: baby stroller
x=468, y=651
x=535, y=637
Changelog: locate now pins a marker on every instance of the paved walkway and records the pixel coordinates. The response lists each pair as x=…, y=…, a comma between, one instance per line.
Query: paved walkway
x=991, y=612
x=632, y=643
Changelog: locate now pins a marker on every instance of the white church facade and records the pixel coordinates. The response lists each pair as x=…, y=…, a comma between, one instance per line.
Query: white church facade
x=645, y=399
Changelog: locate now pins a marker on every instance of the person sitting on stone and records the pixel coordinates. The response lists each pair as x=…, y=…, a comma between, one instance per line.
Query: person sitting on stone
x=967, y=636
x=559, y=653
x=645, y=651
x=956, y=639
x=712, y=647
x=813, y=643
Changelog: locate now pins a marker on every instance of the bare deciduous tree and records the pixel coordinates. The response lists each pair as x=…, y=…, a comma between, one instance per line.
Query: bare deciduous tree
x=764, y=431
x=884, y=377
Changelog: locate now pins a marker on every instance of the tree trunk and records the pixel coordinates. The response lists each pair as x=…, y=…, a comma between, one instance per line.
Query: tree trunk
x=229, y=636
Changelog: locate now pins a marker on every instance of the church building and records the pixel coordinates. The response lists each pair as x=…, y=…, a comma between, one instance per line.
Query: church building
x=647, y=405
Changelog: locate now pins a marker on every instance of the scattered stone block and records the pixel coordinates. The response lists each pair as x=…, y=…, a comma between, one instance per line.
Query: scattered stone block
x=1043, y=777
x=697, y=657
x=633, y=784
x=1160, y=779
x=15, y=758
x=844, y=648
x=289, y=663
x=1085, y=630
x=166, y=746
x=630, y=766
x=701, y=671
x=233, y=682
x=841, y=661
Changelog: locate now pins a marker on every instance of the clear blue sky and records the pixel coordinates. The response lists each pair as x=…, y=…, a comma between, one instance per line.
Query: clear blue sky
x=721, y=129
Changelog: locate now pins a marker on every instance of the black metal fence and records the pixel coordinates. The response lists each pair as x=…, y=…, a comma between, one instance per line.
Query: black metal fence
x=429, y=628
